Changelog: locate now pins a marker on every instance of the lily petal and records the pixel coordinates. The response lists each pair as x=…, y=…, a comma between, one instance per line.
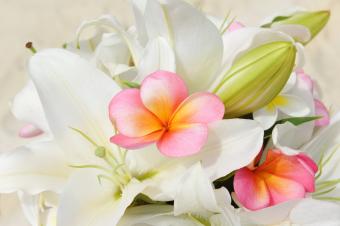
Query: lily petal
x=158, y=55
x=195, y=193
x=202, y=107
x=130, y=116
x=183, y=140
x=85, y=202
x=31, y=170
x=231, y=144
x=27, y=107
x=266, y=116
x=74, y=94
x=162, y=92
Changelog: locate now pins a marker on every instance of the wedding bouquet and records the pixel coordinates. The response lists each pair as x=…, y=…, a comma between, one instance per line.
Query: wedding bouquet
x=183, y=119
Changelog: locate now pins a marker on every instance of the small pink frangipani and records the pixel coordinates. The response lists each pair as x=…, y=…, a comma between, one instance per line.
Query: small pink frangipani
x=279, y=179
x=162, y=112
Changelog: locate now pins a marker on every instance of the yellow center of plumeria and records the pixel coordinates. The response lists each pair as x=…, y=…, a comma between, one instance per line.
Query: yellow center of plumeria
x=276, y=102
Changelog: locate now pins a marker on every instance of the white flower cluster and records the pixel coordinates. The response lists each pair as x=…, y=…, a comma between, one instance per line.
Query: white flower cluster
x=70, y=174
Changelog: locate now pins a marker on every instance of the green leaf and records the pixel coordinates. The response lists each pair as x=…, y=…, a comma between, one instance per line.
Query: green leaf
x=130, y=84
x=298, y=120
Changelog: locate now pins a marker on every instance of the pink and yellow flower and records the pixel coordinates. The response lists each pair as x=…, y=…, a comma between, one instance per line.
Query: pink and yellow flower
x=162, y=112
x=279, y=179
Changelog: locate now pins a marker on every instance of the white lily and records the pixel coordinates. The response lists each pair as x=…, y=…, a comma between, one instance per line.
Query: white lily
x=75, y=94
x=306, y=212
x=196, y=203
x=289, y=103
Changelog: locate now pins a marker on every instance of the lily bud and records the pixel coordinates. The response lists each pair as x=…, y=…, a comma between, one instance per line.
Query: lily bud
x=314, y=21
x=256, y=78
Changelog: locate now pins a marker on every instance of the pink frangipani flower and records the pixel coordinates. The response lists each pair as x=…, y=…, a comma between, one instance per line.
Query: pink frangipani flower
x=162, y=111
x=279, y=179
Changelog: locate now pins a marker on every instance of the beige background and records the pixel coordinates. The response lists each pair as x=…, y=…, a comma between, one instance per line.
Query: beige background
x=49, y=23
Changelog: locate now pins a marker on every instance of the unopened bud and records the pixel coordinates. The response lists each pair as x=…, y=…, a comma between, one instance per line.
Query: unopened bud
x=100, y=152
x=256, y=78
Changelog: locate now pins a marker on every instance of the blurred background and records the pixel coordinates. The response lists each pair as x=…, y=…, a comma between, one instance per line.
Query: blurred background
x=50, y=23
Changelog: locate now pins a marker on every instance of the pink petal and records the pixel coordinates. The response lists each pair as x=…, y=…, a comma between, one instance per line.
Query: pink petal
x=130, y=116
x=200, y=107
x=321, y=110
x=162, y=92
x=136, y=142
x=183, y=140
x=235, y=26
x=290, y=167
x=251, y=190
x=29, y=131
x=306, y=79
x=308, y=163
x=282, y=189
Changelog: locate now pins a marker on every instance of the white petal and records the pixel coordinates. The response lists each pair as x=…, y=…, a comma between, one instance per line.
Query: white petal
x=266, y=117
x=154, y=215
x=112, y=50
x=284, y=13
x=238, y=42
x=157, y=55
x=11, y=212
x=196, y=41
x=268, y=216
x=290, y=83
x=296, y=31
x=195, y=194
x=85, y=202
x=109, y=21
x=295, y=106
x=288, y=138
x=30, y=207
x=27, y=107
x=31, y=170
x=74, y=94
x=311, y=212
x=231, y=144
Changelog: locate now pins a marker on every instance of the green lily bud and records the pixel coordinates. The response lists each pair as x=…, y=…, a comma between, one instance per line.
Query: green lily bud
x=314, y=21
x=256, y=78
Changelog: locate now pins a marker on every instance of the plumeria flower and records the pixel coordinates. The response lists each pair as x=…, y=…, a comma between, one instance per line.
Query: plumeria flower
x=320, y=108
x=96, y=179
x=321, y=207
x=286, y=102
x=163, y=112
x=278, y=179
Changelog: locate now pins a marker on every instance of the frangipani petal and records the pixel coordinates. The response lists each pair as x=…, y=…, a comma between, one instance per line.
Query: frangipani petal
x=162, y=92
x=183, y=140
x=200, y=107
x=321, y=110
x=278, y=179
x=251, y=190
x=130, y=116
x=294, y=106
x=136, y=142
